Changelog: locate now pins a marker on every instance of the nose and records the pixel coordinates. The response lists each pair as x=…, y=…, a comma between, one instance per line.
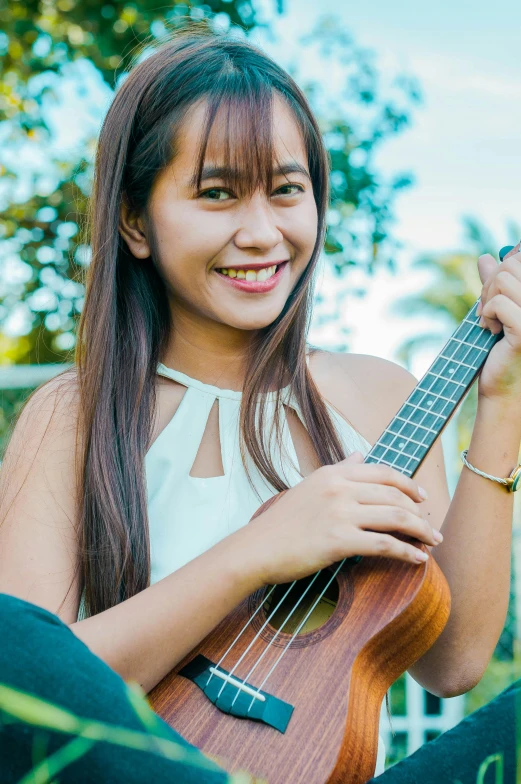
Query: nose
x=258, y=227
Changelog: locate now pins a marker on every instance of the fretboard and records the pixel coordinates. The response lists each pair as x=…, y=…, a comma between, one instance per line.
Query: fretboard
x=406, y=441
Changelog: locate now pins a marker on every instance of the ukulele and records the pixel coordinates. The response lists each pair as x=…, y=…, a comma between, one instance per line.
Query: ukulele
x=290, y=684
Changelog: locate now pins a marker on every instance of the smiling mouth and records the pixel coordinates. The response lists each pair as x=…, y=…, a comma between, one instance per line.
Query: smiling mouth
x=250, y=274
x=253, y=281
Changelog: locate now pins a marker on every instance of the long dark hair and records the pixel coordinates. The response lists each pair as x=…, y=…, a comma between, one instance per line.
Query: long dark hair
x=125, y=322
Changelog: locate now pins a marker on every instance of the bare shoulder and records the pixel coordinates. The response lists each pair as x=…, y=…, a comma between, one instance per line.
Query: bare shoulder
x=38, y=497
x=364, y=389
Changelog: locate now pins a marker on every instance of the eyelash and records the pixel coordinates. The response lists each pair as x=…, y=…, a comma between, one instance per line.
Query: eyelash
x=225, y=190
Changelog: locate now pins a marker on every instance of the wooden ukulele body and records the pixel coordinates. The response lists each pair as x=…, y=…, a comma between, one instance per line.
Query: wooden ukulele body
x=388, y=614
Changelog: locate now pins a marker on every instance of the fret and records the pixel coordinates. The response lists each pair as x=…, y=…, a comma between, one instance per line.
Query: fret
x=457, y=362
x=450, y=368
x=439, y=385
x=423, y=427
x=440, y=397
x=452, y=380
x=466, y=352
x=473, y=323
x=395, y=463
x=426, y=410
x=468, y=335
x=400, y=435
x=469, y=345
x=378, y=460
x=385, y=447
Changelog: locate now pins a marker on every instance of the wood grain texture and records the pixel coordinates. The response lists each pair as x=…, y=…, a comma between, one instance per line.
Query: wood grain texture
x=388, y=615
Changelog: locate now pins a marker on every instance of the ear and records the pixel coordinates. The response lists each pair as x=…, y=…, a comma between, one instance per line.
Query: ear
x=132, y=229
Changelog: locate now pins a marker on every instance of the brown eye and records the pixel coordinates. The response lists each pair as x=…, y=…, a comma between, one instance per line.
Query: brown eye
x=299, y=188
x=206, y=194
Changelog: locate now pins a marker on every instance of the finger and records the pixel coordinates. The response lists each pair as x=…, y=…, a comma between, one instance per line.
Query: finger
x=392, y=518
x=385, y=545
x=486, y=266
x=384, y=495
x=504, y=283
x=512, y=264
x=355, y=457
x=507, y=314
x=378, y=473
x=515, y=249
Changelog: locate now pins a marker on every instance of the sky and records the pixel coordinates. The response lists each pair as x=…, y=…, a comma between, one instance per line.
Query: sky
x=464, y=144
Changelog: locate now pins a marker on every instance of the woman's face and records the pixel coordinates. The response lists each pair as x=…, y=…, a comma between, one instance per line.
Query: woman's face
x=200, y=233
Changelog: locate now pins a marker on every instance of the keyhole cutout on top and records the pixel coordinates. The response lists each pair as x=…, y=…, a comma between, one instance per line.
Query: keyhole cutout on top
x=208, y=460
x=307, y=457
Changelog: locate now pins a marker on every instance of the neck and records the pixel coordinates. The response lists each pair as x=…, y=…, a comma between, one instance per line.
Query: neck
x=211, y=352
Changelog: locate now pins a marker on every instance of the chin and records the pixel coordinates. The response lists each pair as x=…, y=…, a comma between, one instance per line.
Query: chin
x=250, y=326
x=249, y=321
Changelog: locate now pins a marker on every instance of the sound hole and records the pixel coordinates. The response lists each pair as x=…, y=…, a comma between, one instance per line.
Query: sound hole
x=296, y=608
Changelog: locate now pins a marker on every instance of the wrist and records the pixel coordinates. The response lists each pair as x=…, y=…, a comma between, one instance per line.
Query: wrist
x=499, y=412
x=496, y=437
x=242, y=561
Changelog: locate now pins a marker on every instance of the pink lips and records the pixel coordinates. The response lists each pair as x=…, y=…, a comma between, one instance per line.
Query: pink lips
x=255, y=286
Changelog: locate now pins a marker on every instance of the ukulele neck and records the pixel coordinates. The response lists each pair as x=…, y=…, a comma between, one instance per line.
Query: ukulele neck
x=407, y=439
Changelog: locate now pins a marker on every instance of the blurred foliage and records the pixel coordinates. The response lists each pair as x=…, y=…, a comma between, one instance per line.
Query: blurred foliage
x=498, y=676
x=11, y=402
x=43, y=253
x=354, y=122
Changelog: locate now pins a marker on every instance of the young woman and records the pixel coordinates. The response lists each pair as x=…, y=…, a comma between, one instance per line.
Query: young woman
x=129, y=481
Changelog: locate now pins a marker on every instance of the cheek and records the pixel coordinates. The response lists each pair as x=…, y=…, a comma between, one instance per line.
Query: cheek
x=189, y=239
x=302, y=229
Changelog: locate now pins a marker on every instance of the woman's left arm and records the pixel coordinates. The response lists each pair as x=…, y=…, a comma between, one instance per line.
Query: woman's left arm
x=477, y=524
x=475, y=553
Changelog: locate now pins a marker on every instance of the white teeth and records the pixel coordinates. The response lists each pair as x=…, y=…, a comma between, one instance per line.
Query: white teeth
x=242, y=274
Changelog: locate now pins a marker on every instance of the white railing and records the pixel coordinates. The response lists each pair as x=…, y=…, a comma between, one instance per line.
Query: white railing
x=26, y=376
x=417, y=724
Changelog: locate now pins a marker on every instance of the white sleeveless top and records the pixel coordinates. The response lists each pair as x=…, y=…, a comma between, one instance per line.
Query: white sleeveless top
x=188, y=515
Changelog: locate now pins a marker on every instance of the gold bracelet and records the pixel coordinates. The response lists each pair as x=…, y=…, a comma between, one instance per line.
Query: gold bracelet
x=510, y=482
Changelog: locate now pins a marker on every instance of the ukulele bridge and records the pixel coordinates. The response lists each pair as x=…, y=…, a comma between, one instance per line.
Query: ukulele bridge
x=255, y=694
x=230, y=695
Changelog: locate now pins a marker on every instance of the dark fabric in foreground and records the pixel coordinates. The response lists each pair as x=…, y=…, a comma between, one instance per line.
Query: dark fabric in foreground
x=40, y=655
x=481, y=749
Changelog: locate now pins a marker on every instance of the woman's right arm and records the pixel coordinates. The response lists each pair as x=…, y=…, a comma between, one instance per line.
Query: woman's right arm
x=324, y=518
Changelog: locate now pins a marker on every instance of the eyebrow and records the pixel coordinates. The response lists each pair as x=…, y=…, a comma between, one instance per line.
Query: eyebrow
x=226, y=173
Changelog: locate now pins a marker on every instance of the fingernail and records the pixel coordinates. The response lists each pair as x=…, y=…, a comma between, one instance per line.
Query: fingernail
x=423, y=493
x=478, y=309
x=482, y=323
x=421, y=556
x=436, y=535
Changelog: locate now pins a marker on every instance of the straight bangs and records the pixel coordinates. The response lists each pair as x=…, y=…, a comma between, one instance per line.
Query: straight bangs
x=238, y=122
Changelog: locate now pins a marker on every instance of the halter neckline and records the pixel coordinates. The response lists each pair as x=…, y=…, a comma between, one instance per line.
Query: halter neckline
x=209, y=389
